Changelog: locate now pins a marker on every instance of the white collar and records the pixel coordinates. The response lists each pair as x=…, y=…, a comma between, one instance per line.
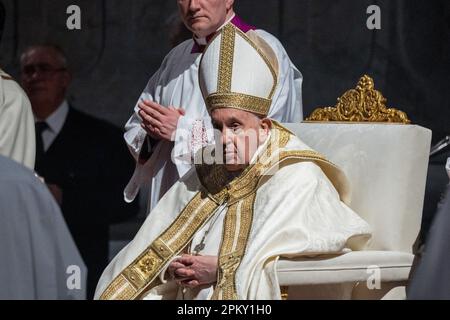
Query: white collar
x=56, y=120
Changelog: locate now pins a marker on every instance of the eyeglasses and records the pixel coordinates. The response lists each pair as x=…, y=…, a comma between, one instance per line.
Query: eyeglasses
x=44, y=69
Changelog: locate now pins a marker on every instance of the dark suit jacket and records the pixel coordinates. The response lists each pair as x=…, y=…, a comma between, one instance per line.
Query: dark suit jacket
x=90, y=162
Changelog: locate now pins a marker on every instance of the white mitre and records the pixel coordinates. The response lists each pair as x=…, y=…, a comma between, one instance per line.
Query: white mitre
x=238, y=71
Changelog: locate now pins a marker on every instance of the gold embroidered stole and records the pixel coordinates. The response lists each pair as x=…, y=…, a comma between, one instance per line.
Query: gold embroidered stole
x=144, y=270
x=239, y=196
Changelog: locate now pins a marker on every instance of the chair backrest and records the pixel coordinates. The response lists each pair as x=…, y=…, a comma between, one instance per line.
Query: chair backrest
x=386, y=164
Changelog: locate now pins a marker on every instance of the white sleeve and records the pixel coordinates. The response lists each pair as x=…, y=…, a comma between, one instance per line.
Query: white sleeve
x=17, y=137
x=40, y=260
x=287, y=104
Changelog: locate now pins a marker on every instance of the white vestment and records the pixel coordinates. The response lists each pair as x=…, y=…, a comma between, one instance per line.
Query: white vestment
x=297, y=211
x=17, y=138
x=40, y=260
x=176, y=84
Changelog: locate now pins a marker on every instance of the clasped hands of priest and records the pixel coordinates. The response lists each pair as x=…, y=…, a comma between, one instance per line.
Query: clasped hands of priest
x=193, y=271
x=159, y=122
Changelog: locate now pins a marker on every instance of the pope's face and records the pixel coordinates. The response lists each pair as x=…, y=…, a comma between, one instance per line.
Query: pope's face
x=204, y=17
x=241, y=134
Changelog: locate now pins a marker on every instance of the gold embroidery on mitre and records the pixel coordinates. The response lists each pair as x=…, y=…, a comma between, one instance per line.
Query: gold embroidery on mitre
x=226, y=59
x=363, y=104
x=224, y=97
x=239, y=101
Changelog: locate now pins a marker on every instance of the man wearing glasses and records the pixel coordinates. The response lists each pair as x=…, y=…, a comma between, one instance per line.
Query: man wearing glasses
x=45, y=78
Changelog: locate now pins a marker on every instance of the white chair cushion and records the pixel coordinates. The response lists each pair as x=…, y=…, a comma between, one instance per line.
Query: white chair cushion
x=354, y=266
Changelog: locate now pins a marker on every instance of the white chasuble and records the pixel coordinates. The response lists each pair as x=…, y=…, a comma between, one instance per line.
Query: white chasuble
x=289, y=201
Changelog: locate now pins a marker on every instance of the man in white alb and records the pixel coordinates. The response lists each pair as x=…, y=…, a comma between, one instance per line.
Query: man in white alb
x=170, y=121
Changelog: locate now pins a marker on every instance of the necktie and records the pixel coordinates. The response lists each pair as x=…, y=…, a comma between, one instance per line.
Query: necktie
x=40, y=127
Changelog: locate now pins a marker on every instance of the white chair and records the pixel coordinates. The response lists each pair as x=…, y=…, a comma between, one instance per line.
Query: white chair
x=385, y=159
